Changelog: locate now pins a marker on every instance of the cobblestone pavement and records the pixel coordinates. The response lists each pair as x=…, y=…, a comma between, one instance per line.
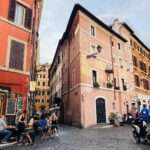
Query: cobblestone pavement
x=93, y=138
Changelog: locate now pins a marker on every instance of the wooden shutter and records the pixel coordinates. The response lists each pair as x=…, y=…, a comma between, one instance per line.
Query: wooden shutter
x=12, y=7
x=28, y=18
x=16, y=55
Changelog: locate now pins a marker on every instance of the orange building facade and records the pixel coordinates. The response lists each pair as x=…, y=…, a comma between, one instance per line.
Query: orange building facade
x=16, y=22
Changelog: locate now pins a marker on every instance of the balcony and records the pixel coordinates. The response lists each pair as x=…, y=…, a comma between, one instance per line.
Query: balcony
x=109, y=69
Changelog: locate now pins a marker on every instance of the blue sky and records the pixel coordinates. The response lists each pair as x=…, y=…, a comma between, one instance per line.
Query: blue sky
x=56, y=14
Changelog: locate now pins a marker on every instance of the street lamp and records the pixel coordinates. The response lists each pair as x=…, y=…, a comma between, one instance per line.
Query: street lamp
x=98, y=50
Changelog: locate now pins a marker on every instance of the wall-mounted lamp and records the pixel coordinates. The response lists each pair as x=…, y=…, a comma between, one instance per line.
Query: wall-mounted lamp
x=99, y=48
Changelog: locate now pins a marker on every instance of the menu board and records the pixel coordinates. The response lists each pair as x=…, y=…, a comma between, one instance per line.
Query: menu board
x=11, y=106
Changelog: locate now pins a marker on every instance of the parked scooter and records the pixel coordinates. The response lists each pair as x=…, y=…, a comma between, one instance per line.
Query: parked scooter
x=140, y=130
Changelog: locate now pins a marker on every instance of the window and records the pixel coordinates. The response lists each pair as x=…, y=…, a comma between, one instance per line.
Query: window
x=143, y=66
x=134, y=59
x=43, y=75
x=58, y=59
x=145, y=84
x=137, y=80
x=92, y=30
x=40, y=75
x=20, y=14
x=120, y=63
x=48, y=92
x=38, y=83
x=131, y=42
x=115, y=82
x=124, y=85
x=42, y=100
x=94, y=76
x=16, y=60
x=119, y=46
x=47, y=100
x=141, y=51
x=43, y=83
x=43, y=92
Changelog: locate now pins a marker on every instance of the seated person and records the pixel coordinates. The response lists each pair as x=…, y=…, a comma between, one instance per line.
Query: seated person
x=3, y=130
x=34, y=130
x=31, y=134
x=44, y=127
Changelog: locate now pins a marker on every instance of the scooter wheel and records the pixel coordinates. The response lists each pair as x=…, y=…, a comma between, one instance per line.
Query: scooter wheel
x=136, y=137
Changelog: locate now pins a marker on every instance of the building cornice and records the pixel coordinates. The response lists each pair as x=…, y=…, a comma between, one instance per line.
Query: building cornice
x=13, y=70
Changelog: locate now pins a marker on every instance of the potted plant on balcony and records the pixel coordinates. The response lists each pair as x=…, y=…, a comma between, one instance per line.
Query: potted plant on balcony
x=96, y=84
x=109, y=85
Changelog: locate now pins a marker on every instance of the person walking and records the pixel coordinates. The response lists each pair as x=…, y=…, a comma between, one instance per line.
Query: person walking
x=145, y=113
x=4, y=131
x=54, y=125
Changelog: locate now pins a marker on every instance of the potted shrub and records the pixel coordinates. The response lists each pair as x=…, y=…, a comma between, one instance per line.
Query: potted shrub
x=112, y=118
x=96, y=84
x=109, y=85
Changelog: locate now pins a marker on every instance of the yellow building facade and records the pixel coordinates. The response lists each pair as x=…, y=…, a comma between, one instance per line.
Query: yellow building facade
x=42, y=87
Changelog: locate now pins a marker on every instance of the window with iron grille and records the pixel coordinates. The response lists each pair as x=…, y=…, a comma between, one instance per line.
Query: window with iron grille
x=16, y=60
x=137, y=80
x=145, y=84
x=143, y=66
x=134, y=59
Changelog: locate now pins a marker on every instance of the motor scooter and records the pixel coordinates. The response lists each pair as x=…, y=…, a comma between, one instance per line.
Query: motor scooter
x=140, y=130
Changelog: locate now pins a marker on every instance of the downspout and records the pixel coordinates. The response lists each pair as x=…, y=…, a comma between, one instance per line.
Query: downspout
x=68, y=71
x=112, y=62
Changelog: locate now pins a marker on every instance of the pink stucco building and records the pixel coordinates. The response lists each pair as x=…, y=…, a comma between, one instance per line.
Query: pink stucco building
x=97, y=74
x=97, y=69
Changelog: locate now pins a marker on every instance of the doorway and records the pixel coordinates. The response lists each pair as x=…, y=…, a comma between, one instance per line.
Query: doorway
x=100, y=110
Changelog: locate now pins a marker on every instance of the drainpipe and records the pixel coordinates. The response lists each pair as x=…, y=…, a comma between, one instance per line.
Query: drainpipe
x=112, y=62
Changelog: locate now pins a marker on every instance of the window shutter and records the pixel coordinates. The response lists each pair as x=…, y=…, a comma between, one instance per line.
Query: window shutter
x=16, y=55
x=12, y=7
x=28, y=19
